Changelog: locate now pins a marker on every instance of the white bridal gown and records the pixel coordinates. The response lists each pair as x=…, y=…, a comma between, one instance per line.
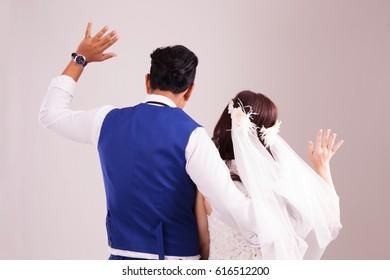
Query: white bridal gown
x=227, y=243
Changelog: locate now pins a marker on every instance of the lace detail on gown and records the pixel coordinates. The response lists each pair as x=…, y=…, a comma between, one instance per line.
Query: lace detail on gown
x=227, y=243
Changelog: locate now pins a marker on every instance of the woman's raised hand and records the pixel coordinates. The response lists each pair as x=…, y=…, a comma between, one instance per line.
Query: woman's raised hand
x=323, y=150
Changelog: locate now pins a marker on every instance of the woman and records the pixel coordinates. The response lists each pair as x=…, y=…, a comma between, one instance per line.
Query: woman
x=297, y=210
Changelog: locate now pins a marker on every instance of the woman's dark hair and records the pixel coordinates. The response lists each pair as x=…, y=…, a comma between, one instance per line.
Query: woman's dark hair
x=265, y=114
x=172, y=68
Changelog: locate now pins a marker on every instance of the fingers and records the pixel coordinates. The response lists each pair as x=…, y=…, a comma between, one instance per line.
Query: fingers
x=100, y=34
x=88, y=30
x=337, y=146
x=106, y=56
x=93, y=48
x=310, y=149
x=318, y=140
x=331, y=142
x=331, y=146
x=105, y=41
x=109, y=39
x=325, y=140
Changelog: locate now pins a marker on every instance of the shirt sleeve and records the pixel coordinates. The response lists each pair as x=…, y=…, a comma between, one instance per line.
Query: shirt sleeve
x=212, y=177
x=55, y=114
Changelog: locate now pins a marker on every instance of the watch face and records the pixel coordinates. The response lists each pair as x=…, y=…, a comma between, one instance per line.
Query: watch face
x=80, y=60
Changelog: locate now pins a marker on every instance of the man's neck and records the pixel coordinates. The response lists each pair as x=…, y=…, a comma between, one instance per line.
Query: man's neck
x=175, y=97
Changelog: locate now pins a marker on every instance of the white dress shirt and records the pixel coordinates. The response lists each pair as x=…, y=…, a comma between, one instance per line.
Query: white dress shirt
x=204, y=165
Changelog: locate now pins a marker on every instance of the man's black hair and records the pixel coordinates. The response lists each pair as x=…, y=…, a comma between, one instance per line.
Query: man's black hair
x=172, y=68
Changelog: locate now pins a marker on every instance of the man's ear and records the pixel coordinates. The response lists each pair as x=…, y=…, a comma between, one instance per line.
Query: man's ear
x=188, y=92
x=147, y=84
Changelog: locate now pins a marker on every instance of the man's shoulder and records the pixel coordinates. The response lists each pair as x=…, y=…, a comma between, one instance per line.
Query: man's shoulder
x=187, y=117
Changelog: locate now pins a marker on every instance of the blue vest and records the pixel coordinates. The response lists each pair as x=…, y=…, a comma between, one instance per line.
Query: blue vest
x=150, y=197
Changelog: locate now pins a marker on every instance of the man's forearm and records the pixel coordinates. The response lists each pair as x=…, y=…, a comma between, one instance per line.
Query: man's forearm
x=73, y=70
x=217, y=187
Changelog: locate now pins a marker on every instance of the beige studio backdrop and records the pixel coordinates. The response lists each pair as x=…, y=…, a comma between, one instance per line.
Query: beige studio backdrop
x=324, y=63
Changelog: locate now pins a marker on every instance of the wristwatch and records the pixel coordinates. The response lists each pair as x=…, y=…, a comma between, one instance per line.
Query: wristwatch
x=79, y=59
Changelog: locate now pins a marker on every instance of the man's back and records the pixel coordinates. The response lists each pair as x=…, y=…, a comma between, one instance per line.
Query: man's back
x=150, y=196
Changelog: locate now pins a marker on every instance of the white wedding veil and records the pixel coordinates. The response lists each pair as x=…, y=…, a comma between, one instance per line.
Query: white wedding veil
x=297, y=212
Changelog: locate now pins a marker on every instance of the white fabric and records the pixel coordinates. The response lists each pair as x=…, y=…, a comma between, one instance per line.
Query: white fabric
x=79, y=126
x=147, y=256
x=227, y=243
x=291, y=201
x=204, y=165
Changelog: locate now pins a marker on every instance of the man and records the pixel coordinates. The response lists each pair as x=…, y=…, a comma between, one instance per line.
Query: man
x=152, y=155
